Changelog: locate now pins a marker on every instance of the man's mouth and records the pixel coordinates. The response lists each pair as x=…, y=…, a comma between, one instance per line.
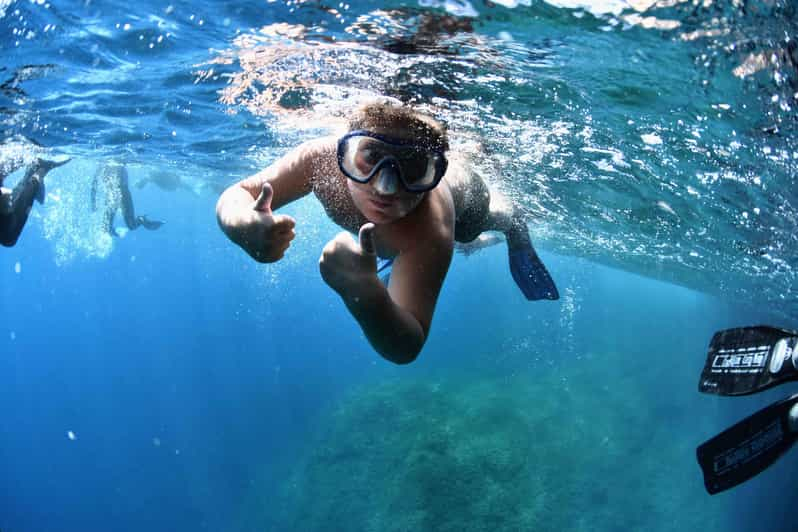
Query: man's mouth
x=380, y=204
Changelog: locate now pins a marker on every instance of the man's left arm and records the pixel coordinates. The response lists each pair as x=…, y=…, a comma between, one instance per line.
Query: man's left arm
x=395, y=320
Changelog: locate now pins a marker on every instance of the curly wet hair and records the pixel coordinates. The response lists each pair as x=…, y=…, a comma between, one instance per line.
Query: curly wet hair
x=387, y=115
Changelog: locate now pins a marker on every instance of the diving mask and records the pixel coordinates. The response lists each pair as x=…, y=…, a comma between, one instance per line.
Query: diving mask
x=362, y=154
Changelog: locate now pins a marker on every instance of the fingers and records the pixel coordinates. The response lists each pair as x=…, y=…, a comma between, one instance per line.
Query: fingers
x=283, y=223
x=264, y=201
x=366, y=238
x=334, y=255
x=283, y=231
x=266, y=257
x=274, y=251
x=341, y=244
x=280, y=237
x=267, y=237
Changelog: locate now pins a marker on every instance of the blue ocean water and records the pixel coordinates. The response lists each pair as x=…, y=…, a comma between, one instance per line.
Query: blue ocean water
x=164, y=380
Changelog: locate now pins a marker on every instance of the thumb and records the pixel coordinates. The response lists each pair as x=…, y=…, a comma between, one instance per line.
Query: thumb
x=366, y=238
x=264, y=201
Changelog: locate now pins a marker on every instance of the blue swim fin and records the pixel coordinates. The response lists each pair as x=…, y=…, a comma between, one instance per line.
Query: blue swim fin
x=530, y=274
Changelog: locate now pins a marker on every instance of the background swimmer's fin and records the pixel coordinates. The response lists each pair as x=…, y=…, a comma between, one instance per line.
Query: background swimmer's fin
x=148, y=224
x=40, y=169
x=749, y=447
x=527, y=269
x=45, y=165
x=749, y=359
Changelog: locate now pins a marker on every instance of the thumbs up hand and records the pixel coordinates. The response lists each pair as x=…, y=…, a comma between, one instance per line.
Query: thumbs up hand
x=269, y=234
x=254, y=227
x=346, y=265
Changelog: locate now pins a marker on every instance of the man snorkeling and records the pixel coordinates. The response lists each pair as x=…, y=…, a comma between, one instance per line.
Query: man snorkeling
x=389, y=180
x=15, y=205
x=114, y=181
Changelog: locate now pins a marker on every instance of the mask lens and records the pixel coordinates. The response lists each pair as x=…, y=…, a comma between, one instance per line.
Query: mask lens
x=361, y=155
x=420, y=171
x=413, y=162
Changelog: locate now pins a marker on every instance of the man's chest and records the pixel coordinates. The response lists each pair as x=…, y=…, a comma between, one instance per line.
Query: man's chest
x=334, y=196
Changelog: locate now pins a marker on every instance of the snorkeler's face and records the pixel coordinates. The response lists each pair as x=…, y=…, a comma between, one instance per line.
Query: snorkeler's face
x=383, y=200
x=383, y=196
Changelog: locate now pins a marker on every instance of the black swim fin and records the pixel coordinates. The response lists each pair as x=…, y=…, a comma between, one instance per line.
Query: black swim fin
x=148, y=224
x=749, y=447
x=41, y=167
x=531, y=275
x=526, y=267
x=747, y=360
x=41, y=191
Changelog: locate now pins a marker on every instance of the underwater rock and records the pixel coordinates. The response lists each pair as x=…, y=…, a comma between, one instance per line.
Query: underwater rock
x=494, y=455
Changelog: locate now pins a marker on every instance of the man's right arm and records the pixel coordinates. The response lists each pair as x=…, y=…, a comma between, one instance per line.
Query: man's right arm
x=244, y=210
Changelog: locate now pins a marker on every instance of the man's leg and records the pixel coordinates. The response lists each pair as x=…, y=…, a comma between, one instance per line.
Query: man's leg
x=129, y=212
x=126, y=204
x=15, y=206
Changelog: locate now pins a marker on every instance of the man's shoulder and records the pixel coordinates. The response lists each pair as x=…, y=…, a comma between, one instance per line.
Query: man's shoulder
x=318, y=146
x=441, y=205
x=315, y=157
x=310, y=159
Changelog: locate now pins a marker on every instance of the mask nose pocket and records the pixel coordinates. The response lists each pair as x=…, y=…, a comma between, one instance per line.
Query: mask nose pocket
x=387, y=179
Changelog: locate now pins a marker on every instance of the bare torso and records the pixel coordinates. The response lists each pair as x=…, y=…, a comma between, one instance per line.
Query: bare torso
x=458, y=202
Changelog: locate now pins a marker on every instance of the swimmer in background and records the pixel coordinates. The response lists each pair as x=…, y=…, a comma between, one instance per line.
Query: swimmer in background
x=113, y=179
x=170, y=181
x=167, y=181
x=15, y=205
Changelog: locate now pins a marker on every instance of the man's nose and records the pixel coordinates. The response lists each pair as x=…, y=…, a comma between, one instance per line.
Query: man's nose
x=386, y=181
